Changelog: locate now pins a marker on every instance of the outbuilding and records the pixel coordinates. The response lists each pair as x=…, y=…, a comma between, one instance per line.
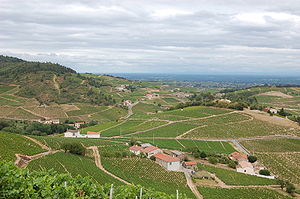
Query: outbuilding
x=168, y=162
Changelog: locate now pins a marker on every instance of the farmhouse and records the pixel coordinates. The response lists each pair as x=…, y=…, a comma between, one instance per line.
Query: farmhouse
x=245, y=167
x=49, y=121
x=78, y=124
x=91, y=134
x=236, y=156
x=136, y=149
x=190, y=165
x=127, y=102
x=76, y=134
x=177, y=154
x=151, y=150
x=270, y=110
x=121, y=88
x=152, y=96
x=168, y=162
x=72, y=133
x=144, y=145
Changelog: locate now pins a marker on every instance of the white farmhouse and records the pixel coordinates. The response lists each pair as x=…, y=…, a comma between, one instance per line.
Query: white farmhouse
x=72, y=133
x=91, y=134
x=245, y=167
x=168, y=162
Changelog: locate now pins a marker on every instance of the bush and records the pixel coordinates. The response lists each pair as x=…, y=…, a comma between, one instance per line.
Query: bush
x=203, y=155
x=264, y=172
x=153, y=158
x=213, y=160
x=252, y=158
x=290, y=188
x=74, y=148
x=232, y=164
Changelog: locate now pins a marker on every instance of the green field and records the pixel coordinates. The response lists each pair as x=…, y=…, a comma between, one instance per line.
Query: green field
x=99, y=127
x=171, y=130
x=142, y=108
x=85, y=109
x=240, y=193
x=56, y=142
x=111, y=114
x=231, y=177
x=11, y=144
x=186, y=145
x=74, y=165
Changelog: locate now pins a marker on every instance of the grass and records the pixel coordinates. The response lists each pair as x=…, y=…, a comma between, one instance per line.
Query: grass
x=171, y=130
x=147, y=173
x=86, y=109
x=231, y=177
x=111, y=114
x=56, y=142
x=142, y=108
x=197, y=111
x=74, y=165
x=186, y=145
x=11, y=144
x=240, y=193
x=170, y=100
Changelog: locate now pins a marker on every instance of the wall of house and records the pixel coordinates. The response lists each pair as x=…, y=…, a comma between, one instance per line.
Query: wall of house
x=174, y=166
x=247, y=170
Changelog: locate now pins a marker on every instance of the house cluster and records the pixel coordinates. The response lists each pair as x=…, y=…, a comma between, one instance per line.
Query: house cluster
x=76, y=134
x=49, y=121
x=152, y=96
x=127, y=102
x=170, y=160
x=122, y=88
x=244, y=166
x=270, y=110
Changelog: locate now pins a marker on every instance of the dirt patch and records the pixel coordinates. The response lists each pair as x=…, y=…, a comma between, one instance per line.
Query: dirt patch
x=276, y=94
x=262, y=116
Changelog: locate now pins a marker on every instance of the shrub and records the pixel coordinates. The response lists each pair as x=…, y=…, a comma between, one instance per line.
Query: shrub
x=290, y=188
x=213, y=160
x=232, y=164
x=203, y=155
x=152, y=158
x=264, y=172
x=74, y=148
x=252, y=158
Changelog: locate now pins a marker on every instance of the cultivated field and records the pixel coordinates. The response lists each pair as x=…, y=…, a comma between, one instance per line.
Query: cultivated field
x=13, y=143
x=187, y=145
x=74, y=165
x=240, y=193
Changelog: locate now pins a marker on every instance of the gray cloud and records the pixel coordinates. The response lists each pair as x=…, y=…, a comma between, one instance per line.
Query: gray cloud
x=192, y=36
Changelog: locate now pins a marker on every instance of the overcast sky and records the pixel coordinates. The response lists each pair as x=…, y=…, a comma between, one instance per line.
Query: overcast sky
x=161, y=36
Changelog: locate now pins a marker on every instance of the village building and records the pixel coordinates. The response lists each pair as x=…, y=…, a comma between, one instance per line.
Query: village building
x=49, y=121
x=127, y=102
x=168, y=162
x=91, y=134
x=121, y=88
x=72, y=133
x=136, y=149
x=245, y=167
x=177, y=154
x=152, y=96
x=181, y=95
x=144, y=145
x=151, y=150
x=236, y=156
x=225, y=101
x=190, y=165
x=270, y=110
x=78, y=124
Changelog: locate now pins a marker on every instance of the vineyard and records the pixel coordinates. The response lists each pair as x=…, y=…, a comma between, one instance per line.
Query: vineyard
x=4, y=88
x=231, y=177
x=274, y=145
x=148, y=174
x=187, y=145
x=11, y=144
x=56, y=142
x=74, y=165
x=240, y=193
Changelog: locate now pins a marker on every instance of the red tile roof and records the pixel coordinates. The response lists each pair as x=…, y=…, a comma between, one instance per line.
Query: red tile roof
x=190, y=163
x=136, y=148
x=80, y=123
x=166, y=158
x=149, y=149
x=237, y=155
x=92, y=133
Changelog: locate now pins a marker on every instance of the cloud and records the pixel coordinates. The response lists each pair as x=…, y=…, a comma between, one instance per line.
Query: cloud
x=192, y=36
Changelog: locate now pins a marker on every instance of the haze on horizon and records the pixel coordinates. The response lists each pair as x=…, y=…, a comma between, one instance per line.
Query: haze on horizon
x=158, y=36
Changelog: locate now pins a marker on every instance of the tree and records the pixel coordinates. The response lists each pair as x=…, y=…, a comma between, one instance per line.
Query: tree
x=232, y=164
x=290, y=188
x=281, y=183
x=74, y=148
x=203, y=155
x=252, y=158
x=213, y=160
x=264, y=172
